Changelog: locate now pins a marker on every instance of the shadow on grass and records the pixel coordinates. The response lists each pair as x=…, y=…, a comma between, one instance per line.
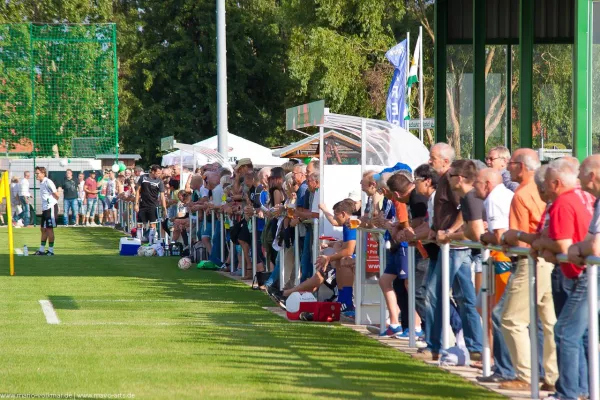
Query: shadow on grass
x=257, y=348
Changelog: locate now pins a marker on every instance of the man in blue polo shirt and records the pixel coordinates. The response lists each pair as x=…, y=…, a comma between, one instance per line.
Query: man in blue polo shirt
x=336, y=269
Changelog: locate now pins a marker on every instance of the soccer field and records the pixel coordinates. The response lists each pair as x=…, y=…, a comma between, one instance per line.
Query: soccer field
x=134, y=326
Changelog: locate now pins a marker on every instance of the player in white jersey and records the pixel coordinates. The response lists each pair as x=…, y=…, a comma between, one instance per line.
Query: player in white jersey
x=49, y=196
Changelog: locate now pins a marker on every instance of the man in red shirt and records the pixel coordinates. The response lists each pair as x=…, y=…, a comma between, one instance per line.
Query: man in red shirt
x=569, y=219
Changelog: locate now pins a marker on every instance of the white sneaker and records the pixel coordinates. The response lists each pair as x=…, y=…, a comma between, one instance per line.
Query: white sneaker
x=93, y=224
x=20, y=223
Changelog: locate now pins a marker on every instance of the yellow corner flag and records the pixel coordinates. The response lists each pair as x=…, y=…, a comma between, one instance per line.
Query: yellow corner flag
x=5, y=196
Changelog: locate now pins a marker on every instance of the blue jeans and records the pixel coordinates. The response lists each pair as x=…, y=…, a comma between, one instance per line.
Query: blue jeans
x=502, y=362
x=571, y=340
x=306, y=264
x=464, y=294
x=70, y=204
x=215, y=254
x=25, y=213
x=91, y=207
x=274, y=278
x=433, y=328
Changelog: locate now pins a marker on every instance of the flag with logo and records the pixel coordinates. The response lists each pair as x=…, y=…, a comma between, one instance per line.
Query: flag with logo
x=413, y=76
x=396, y=109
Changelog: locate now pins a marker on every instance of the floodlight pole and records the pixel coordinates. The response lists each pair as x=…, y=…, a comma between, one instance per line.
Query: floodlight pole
x=221, y=81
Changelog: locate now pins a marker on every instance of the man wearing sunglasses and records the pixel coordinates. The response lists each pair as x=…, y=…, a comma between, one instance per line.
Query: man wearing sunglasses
x=498, y=159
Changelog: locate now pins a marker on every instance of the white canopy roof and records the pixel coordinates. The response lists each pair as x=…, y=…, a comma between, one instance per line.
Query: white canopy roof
x=206, y=152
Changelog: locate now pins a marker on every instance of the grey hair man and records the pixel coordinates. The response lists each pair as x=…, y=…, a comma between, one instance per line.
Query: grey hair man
x=526, y=212
x=575, y=223
x=448, y=219
x=497, y=159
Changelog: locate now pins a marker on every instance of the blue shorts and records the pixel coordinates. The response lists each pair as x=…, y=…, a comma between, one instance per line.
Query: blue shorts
x=397, y=263
x=206, y=232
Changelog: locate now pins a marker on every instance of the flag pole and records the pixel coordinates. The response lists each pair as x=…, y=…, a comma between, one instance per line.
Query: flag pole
x=421, y=83
x=406, y=122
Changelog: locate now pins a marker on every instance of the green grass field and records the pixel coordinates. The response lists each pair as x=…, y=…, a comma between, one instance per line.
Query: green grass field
x=140, y=326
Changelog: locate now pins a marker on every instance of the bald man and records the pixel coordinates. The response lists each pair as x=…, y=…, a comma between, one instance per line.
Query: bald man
x=526, y=211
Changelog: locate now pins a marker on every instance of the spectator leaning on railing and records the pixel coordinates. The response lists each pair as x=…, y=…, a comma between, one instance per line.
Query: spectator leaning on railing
x=527, y=224
x=498, y=159
x=497, y=200
x=569, y=219
x=448, y=219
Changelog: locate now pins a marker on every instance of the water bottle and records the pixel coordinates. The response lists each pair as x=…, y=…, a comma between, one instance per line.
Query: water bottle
x=25, y=251
x=250, y=225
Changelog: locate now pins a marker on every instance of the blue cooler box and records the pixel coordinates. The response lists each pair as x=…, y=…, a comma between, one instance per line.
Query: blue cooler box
x=129, y=246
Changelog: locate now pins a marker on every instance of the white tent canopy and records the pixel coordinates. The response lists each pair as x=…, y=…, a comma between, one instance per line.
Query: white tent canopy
x=200, y=153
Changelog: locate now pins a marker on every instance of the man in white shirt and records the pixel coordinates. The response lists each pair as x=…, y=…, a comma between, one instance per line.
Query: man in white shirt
x=49, y=196
x=24, y=196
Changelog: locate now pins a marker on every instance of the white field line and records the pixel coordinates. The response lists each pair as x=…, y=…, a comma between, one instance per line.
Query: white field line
x=255, y=325
x=143, y=301
x=49, y=312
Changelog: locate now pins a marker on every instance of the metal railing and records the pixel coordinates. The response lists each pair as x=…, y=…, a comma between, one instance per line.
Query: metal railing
x=128, y=219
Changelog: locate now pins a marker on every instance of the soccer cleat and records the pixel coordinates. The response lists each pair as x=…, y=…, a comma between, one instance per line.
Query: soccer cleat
x=349, y=314
x=48, y=253
x=39, y=253
x=307, y=316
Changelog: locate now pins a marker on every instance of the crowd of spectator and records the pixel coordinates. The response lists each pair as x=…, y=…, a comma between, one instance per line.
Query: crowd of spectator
x=513, y=200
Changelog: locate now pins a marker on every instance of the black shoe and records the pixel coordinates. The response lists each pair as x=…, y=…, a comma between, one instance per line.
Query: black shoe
x=273, y=292
x=49, y=253
x=307, y=316
x=39, y=253
x=494, y=378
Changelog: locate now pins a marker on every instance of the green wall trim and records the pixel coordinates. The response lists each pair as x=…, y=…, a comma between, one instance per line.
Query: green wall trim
x=582, y=96
x=440, y=61
x=479, y=34
x=526, y=16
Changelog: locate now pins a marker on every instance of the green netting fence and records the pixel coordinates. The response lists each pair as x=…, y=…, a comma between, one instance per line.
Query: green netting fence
x=58, y=90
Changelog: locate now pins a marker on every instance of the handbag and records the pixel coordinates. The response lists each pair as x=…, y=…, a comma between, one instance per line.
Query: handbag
x=259, y=279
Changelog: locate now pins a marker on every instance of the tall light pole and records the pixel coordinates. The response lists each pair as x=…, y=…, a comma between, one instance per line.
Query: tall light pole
x=221, y=81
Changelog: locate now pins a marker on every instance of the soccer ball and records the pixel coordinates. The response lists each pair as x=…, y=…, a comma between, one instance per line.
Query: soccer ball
x=292, y=304
x=150, y=251
x=141, y=251
x=184, y=263
x=63, y=162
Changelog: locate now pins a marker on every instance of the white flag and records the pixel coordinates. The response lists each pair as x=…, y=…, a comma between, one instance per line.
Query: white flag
x=414, y=65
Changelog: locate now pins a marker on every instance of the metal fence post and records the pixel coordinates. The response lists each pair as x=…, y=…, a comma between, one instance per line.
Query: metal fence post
x=212, y=226
x=222, y=237
x=254, y=252
x=382, y=305
x=281, y=267
x=358, y=271
x=315, y=246
x=485, y=312
x=412, y=342
x=296, y=255
x=593, y=369
x=204, y=223
x=445, y=295
x=232, y=255
x=533, y=333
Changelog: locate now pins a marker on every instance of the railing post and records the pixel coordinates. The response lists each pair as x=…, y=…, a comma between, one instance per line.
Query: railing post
x=232, y=256
x=253, y=246
x=485, y=312
x=445, y=295
x=382, y=305
x=222, y=237
x=315, y=246
x=533, y=334
x=358, y=271
x=204, y=223
x=296, y=256
x=281, y=267
x=412, y=342
x=593, y=369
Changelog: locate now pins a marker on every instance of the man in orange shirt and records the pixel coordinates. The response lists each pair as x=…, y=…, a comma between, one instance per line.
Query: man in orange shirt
x=526, y=212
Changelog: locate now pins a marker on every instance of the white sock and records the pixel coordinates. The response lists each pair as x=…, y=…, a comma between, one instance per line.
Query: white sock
x=51, y=250
x=41, y=249
x=460, y=339
x=394, y=326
